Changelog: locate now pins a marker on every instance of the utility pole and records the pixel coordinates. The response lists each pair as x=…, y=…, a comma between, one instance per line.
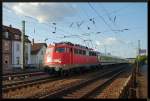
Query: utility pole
x=138, y=54
x=22, y=45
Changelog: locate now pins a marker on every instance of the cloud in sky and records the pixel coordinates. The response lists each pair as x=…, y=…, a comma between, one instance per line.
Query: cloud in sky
x=108, y=41
x=42, y=11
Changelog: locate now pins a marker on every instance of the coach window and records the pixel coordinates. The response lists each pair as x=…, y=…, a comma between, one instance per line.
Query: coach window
x=80, y=51
x=89, y=53
x=60, y=50
x=84, y=52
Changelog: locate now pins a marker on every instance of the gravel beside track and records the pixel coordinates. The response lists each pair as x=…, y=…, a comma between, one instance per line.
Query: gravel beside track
x=113, y=90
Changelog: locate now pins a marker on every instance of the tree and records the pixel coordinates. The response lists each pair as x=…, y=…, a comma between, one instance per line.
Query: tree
x=141, y=59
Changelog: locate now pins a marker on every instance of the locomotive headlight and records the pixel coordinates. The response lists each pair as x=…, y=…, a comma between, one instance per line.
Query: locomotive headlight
x=57, y=60
x=49, y=59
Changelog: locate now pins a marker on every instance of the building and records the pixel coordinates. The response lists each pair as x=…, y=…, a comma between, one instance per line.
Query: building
x=6, y=48
x=37, y=54
x=131, y=60
x=11, y=43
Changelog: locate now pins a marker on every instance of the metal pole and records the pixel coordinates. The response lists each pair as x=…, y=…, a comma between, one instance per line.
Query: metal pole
x=138, y=56
x=22, y=45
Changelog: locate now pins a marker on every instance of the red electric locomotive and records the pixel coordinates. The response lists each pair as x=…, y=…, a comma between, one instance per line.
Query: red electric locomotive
x=65, y=57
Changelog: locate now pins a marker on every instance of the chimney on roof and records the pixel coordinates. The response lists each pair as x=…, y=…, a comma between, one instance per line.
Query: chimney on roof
x=10, y=26
x=32, y=41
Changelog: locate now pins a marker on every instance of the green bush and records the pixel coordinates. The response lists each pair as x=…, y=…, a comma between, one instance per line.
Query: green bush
x=141, y=59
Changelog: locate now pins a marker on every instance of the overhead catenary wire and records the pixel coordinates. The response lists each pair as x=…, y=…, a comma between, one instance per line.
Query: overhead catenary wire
x=60, y=30
x=109, y=17
x=100, y=17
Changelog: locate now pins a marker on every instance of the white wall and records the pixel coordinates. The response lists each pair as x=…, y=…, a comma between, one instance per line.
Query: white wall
x=29, y=52
x=36, y=59
x=16, y=53
x=41, y=56
x=33, y=59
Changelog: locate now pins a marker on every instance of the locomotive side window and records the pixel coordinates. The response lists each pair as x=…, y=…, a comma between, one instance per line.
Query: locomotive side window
x=76, y=51
x=60, y=50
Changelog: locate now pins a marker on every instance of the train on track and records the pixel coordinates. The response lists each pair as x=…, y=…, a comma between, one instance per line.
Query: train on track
x=65, y=57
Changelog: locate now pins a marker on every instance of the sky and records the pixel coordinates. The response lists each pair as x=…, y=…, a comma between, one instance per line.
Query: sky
x=106, y=27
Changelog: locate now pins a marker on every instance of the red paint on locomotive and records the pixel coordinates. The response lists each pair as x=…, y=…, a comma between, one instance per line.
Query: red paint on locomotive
x=66, y=56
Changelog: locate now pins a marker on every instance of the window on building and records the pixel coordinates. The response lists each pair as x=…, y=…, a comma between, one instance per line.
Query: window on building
x=17, y=37
x=18, y=48
x=6, y=45
x=18, y=60
x=40, y=61
x=60, y=50
x=41, y=52
x=6, y=59
x=6, y=62
x=6, y=34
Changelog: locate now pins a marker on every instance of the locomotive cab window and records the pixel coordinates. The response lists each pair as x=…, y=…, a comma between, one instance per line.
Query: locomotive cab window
x=60, y=50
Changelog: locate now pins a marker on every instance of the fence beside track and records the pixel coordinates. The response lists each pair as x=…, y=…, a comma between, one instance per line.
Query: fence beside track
x=129, y=88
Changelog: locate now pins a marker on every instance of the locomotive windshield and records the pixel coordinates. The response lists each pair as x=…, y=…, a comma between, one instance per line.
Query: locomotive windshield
x=60, y=50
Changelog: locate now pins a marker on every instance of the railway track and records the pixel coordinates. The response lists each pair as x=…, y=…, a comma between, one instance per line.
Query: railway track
x=81, y=89
x=56, y=85
x=25, y=83
x=17, y=84
x=21, y=75
x=117, y=88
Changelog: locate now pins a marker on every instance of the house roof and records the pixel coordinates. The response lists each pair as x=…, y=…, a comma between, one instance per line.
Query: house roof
x=36, y=47
x=15, y=31
x=11, y=30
